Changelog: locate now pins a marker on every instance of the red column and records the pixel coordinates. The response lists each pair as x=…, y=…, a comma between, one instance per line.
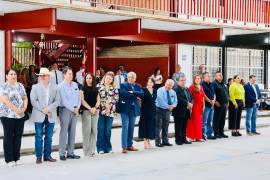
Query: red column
x=173, y=58
x=8, y=49
x=91, y=63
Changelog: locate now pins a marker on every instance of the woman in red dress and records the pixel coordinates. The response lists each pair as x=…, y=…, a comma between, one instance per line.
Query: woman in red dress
x=194, y=127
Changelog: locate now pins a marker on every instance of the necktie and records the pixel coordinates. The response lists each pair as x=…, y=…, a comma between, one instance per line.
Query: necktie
x=56, y=79
x=169, y=98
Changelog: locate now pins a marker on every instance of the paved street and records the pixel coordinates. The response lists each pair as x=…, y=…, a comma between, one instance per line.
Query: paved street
x=240, y=158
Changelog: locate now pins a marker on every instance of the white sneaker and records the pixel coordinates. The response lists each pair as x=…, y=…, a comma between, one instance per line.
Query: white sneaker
x=101, y=152
x=18, y=163
x=11, y=164
x=110, y=152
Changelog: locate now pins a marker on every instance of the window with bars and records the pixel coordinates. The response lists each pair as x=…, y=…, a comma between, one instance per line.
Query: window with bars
x=211, y=57
x=245, y=62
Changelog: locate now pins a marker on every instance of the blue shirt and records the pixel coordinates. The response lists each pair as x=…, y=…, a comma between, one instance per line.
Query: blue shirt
x=162, y=100
x=70, y=95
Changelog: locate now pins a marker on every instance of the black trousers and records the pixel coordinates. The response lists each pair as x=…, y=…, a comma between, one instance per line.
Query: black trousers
x=13, y=130
x=162, y=124
x=235, y=115
x=219, y=119
x=180, y=126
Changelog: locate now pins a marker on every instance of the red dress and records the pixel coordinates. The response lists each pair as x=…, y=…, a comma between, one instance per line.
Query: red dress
x=194, y=126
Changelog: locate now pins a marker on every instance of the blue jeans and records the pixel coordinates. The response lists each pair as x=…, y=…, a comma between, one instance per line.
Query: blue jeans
x=128, y=123
x=104, y=134
x=47, y=128
x=251, y=118
x=208, y=115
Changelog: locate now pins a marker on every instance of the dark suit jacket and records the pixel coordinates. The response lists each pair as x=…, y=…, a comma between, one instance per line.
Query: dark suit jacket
x=181, y=109
x=128, y=99
x=250, y=95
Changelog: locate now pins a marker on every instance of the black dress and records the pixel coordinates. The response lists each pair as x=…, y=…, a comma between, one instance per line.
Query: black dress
x=148, y=114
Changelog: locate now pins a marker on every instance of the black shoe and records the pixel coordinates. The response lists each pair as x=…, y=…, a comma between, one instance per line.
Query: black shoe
x=238, y=134
x=159, y=145
x=167, y=144
x=179, y=143
x=187, y=142
x=223, y=135
x=63, y=158
x=204, y=138
x=73, y=156
x=212, y=137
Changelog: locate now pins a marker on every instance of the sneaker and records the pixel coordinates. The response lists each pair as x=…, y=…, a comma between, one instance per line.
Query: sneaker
x=18, y=163
x=73, y=156
x=110, y=152
x=101, y=152
x=249, y=133
x=11, y=164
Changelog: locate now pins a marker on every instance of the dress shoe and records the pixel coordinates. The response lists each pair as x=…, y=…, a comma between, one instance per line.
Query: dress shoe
x=238, y=134
x=187, y=142
x=73, y=156
x=124, y=151
x=179, y=143
x=132, y=149
x=167, y=144
x=63, y=158
x=223, y=135
x=234, y=134
x=256, y=133
x=50, y=159
x=38, y=161
x=211, y=137
x=204, y=138
x=159, y=145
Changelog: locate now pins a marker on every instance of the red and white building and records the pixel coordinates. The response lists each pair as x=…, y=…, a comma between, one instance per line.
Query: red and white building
x=142, y=34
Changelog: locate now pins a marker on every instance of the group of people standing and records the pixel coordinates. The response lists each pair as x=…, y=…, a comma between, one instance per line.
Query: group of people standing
x=199, y=111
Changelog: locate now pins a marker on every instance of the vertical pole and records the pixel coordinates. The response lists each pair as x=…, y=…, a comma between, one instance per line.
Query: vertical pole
x=91, y=63
x=8, y=49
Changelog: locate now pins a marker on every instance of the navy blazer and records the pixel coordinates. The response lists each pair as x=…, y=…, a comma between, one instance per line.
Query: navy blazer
x=250, y=95
x=128, y=97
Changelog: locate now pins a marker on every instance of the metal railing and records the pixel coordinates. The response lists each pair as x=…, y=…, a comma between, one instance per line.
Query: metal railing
x=227, y=11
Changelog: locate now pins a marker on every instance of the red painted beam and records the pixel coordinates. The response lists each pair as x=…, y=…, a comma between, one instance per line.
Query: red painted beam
x=91, y=63
x=80, y=29
x=147, y=35
x=117, y=28
x=167, y=37
x=2, y=23
x=8, y=49
x=30, y=19
x=198, y=36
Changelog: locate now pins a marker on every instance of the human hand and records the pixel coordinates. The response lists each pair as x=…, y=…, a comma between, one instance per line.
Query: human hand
x=45, y=110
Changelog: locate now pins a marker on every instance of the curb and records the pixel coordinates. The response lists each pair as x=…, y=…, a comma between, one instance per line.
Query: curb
x=31, y=151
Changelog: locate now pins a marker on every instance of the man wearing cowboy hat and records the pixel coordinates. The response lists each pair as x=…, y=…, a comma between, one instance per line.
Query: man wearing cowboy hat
x=45, y=99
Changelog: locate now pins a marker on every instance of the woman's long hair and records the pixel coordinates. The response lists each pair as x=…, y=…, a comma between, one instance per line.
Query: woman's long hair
x=93, y=80
x=196, y=86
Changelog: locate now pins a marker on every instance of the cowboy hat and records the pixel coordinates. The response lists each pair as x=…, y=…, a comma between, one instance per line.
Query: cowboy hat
x=44, y=71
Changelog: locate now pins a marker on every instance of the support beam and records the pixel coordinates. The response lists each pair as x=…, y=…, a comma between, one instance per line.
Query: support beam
x=80, y=29
x=44, y=18
x=2, y=23
x=173, y=58
x=2, y=57
x=91, y=62
x=198, y=36
x=147, y=35
x=117, y=28
x=166, y=37
x=8, y=49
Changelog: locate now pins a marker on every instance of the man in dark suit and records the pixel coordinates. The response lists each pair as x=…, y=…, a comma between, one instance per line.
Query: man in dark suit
x=182, y=111
x=252, y=99
x=129, y=108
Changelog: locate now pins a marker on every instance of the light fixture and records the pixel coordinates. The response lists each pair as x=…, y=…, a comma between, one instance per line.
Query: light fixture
x=223, y=37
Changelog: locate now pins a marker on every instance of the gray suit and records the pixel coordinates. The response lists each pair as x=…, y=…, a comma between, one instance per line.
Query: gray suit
x=38, y=100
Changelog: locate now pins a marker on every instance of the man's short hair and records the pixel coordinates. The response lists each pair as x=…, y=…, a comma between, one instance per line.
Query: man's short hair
x=65, y=69
x=131, y=74
x=181, y=76
x=204, y=74
x=252, y=76
x=169, y=81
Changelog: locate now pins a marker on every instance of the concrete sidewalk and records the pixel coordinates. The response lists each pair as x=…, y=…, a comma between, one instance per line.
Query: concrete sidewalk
x=28, y=141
